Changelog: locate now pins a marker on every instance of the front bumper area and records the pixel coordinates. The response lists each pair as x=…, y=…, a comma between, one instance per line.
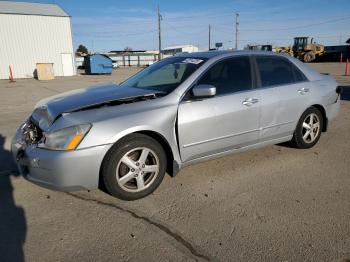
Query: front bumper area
x=61, y=170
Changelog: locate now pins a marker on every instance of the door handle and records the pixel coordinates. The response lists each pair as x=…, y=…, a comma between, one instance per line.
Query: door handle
x=303, y=90
x=250, y=101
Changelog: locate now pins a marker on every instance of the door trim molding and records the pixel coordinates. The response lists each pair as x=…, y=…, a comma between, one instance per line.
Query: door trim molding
x=237, y=134
x=236, y=150
x=276, y=125
x=219, y=138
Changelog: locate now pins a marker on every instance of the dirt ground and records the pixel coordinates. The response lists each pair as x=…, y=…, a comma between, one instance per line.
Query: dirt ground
x=271, y=204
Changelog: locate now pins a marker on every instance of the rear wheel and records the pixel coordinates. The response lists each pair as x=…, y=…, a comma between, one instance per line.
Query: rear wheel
x=309, y=129
x=134, y=167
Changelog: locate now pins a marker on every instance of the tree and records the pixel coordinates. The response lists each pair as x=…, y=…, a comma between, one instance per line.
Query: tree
x=128, y=49
x=82, y=49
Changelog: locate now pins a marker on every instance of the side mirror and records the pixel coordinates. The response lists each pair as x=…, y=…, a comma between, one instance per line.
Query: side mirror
x=204, y=91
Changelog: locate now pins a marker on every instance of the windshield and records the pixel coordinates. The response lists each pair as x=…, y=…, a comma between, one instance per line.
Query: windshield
x=302, y=41
x=165, y=75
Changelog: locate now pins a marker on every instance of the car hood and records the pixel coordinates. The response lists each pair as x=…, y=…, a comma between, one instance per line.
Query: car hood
x=48, y=110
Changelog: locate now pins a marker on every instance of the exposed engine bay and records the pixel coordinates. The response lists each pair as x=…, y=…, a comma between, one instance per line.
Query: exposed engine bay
x=31, y=133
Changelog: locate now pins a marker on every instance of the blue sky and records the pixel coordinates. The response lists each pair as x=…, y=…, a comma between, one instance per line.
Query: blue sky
x=112, y=25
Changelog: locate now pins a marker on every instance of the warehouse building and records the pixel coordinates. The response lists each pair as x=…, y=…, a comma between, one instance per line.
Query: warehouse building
x=34, y=33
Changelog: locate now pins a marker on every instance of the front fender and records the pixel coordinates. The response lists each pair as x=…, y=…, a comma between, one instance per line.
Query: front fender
x=168, y=135
x=159, y=120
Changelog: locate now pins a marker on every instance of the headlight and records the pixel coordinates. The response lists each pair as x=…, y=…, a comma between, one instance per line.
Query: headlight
x=65, y=139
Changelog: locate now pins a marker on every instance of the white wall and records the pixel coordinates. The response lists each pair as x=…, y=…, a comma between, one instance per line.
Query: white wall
x=190, y=49
x=29, y=39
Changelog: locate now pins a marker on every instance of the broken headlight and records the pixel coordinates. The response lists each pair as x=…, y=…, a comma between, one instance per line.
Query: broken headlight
x=65, y=139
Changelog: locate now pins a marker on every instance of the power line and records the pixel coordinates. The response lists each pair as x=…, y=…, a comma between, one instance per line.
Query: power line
x=196, y=16
x=286, y=38
x=298, y=27
x=221, y=26
x=113, y=35
x=182, y=32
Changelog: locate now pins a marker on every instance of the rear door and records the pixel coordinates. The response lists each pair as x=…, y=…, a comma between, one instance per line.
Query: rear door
x=227, y=121
x=285, y=94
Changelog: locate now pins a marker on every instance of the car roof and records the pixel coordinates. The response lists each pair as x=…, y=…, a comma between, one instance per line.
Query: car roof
x=211, y=54
x=310, y=73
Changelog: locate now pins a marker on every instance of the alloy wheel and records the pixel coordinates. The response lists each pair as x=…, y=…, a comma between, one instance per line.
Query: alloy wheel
x=311, y=128
x=137, y=169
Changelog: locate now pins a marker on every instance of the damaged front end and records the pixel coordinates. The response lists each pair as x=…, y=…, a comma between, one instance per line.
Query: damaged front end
x=28, y=134
x=37, y=127
x=31, y=133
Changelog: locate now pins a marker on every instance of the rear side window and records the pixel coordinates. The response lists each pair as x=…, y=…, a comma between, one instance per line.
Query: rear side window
x=299, y=76
x=277, y=71
x=229, y=76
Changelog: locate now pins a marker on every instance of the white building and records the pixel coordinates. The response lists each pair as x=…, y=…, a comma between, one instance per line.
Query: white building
x=32, y=33
x=173, y=50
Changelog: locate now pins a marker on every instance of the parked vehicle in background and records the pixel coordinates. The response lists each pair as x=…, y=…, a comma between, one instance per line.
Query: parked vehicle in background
x=98, y=64
x=284, y=50
x=304, y=49
x=259, y=47
x=307, y=50
x=177, y=112
x=177, y=50
x=115, y=64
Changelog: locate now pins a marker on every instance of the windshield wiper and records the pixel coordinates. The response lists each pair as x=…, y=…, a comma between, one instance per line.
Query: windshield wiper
x=121, y=101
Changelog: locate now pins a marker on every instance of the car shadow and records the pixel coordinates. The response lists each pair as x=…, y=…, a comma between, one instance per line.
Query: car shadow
x=345, y=93
x=13, y=226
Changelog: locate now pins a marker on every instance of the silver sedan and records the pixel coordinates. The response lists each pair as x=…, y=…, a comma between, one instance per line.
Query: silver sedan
x=179, y=111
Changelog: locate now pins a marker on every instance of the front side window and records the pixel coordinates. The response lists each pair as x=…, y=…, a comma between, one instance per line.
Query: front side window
x=229, y=76
x=165, y=75
x=277, y=71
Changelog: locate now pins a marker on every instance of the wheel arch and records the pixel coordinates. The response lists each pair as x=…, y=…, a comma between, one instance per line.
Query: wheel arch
x=324, y=116
x=172, y=164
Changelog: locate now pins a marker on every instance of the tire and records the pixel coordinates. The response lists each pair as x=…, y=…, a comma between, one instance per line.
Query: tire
x=134, y=167
x=305, y=134
x=309, y=57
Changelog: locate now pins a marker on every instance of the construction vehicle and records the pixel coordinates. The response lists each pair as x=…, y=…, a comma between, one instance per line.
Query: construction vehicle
x=305, y=50
x=285, y=50
x=259, y=47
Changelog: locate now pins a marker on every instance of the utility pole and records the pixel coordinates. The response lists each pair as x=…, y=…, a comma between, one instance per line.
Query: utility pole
x=237, y=23
x=209, y=38
x=159, y=35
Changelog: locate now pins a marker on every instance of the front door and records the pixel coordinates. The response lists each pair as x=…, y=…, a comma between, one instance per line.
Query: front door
x=228, y=121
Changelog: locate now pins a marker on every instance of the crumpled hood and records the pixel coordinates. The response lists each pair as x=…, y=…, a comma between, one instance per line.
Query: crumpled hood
x=51, y=108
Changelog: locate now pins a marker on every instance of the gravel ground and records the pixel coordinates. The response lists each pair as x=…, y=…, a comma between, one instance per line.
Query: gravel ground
x=271, y=204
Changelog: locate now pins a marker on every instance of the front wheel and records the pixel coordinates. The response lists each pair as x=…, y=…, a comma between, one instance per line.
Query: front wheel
x=134, y=167
x=309, y=129
x=309, y=57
